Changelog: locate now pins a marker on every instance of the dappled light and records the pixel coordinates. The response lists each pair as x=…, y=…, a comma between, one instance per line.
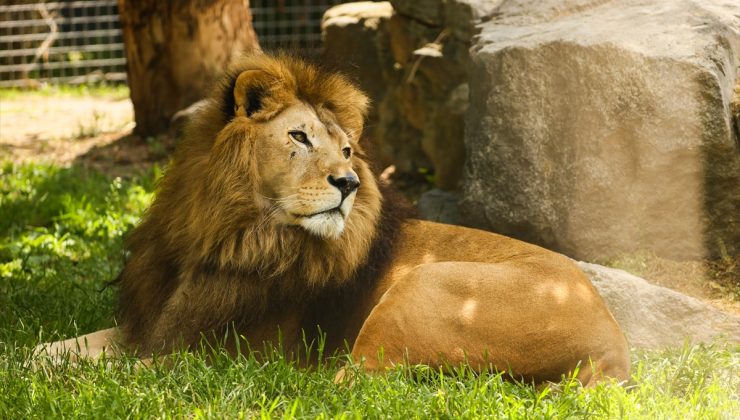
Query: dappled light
x=468, y=311
x=62, y=231
x=387, y=209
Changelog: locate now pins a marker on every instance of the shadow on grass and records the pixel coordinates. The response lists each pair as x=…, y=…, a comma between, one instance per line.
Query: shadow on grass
x=128, y=155
x=61, y=240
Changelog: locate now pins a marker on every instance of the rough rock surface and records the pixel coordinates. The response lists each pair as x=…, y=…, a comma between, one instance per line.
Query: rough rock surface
x=353, y=35
x=655, y=317
x=356, y=41
x=461, y=16
x=598, y=127
x=413, y=63
x=439, y=206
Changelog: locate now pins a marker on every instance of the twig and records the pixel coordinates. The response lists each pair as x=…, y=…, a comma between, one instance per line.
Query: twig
x=437, y=42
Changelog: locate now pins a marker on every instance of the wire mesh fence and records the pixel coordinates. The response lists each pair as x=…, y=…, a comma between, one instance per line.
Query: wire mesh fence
x=290, y=24
x=61, y=42
x=81, y=41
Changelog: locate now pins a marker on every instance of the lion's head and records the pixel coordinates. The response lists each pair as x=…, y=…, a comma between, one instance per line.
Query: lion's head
x=270, y=177
x=303, y=158
x=269, y=198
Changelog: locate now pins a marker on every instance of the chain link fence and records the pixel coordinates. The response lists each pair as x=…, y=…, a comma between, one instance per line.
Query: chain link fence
x=61, y=42
x=81, y=42
x=290, y=24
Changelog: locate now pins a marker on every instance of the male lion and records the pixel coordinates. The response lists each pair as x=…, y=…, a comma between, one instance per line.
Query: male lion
x=269, y=221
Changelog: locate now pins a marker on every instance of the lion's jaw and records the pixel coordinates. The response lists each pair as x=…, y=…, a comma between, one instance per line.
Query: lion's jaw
x=298, y=155
x=328, y=224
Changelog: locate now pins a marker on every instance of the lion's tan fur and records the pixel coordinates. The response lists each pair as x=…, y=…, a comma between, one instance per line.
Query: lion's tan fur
x=204, y=222
x=212, y=253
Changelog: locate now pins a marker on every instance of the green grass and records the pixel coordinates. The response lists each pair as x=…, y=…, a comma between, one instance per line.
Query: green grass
x=60, y=241
x=102, y=91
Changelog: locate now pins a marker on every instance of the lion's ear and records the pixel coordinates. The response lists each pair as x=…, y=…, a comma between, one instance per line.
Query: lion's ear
x=249, y=90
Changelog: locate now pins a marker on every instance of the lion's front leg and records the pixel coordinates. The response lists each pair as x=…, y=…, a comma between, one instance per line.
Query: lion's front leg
x=88, y=346
x=537, y=321
x=207, y=307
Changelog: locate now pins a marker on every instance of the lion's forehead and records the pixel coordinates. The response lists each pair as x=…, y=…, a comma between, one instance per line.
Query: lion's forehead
x=335, y=130
x=318, y=124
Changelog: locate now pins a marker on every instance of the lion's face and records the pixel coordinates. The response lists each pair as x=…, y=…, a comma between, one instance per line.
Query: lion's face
x=262, y=201
x=305, y=170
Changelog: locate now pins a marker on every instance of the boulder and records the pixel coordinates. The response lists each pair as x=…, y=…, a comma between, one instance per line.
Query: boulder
x=601, y=127
x=354, y=33
x=356, y=42
x=413, y=63
x=654, y=317
x=460, y=16
x=427, y=11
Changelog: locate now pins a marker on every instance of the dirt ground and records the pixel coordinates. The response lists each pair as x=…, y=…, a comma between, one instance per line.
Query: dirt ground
x=96, y=132
x=85, y=130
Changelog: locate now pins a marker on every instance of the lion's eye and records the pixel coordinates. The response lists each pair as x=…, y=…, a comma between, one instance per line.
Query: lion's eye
x=300, y=137
x=347, y=152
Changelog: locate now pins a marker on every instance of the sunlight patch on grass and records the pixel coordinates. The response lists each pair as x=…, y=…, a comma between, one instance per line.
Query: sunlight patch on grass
x=61, y=233
x=691, y=383
x=113, y=92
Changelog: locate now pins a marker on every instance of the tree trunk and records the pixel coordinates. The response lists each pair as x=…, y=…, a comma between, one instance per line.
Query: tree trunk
x=175, y=50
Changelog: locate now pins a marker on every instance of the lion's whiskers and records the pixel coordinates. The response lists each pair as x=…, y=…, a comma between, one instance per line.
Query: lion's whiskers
x=279, y=199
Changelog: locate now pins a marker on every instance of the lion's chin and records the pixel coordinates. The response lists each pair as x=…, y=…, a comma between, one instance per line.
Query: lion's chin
x=326, y=225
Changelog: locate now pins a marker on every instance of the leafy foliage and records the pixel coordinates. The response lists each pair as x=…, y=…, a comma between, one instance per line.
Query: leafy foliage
x=61, y=233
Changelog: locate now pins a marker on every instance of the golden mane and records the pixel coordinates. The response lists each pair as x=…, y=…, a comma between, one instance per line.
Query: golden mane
x=206, y=240
x=209, y=259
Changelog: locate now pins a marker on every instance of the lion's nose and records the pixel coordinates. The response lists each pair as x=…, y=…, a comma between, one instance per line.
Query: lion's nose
x=345, y=184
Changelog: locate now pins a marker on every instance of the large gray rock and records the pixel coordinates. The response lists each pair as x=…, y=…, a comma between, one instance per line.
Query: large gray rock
x=655, y=317
x=600, y=127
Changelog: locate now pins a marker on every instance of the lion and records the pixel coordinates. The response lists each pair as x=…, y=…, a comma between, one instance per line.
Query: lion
x=269, y=221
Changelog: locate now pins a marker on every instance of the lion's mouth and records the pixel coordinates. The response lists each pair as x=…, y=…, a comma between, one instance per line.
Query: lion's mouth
x=327, y=223
x=334, y=210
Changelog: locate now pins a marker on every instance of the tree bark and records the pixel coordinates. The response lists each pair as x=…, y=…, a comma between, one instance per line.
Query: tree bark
x=175, y=50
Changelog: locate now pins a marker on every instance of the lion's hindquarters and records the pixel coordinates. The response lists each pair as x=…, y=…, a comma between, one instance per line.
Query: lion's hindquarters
x=533, y=320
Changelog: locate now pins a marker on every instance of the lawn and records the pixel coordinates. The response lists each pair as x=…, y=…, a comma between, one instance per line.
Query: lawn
x=61, y=233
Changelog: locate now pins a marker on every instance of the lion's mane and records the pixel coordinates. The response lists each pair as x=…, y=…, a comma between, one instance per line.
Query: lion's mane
x=204, y=245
